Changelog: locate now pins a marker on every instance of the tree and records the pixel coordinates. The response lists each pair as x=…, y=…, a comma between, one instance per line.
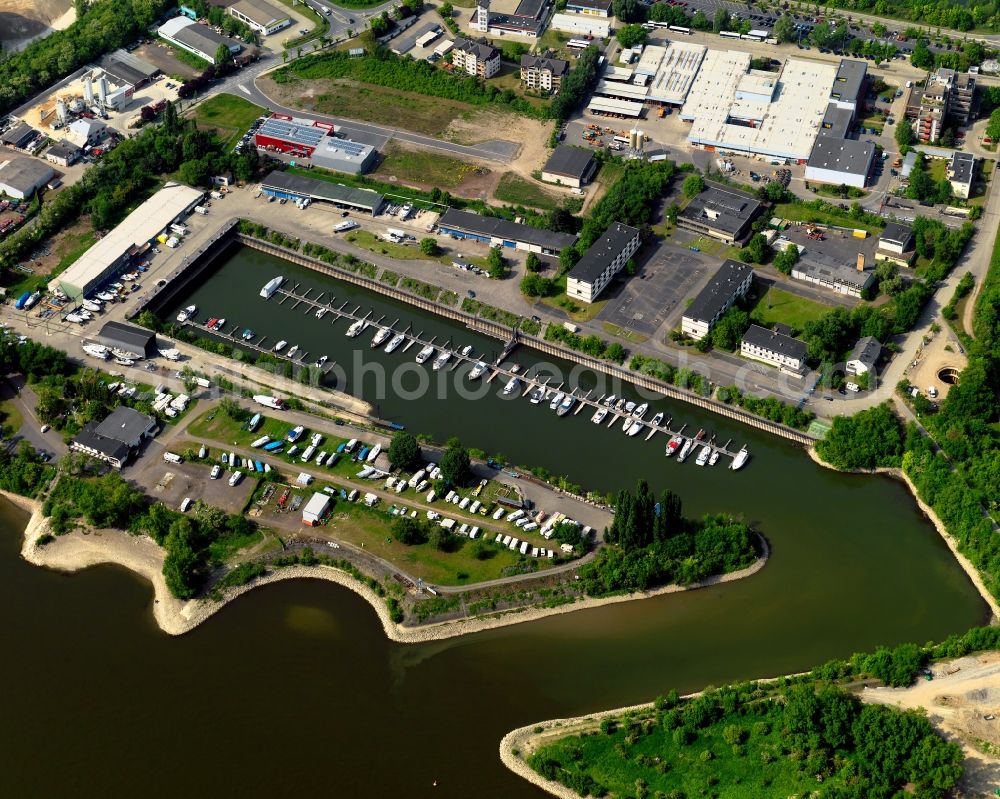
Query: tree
x=693, y=186
x=628, y=11
x=993, y=126
x=455, y=464
x=722, y=21
x=922, y=57
x=774, y=191
x=409, y=531
x=429, y=247
x=404, y=451
x=728, y=331
x=757, y=250
x=631, y=35
x=223, y=54
x=904, y=133
x=533, y=263
x=536, y=286
x=495, y=261
x=231, y=408
x=700, y=22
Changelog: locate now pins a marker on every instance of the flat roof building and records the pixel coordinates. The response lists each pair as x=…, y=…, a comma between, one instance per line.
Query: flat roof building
x=721, y=213
x=846, y=161
x=527, y=20
x=842, y=278
x=676, y=73
x=21, y=177
x=778, y=349
x=200, y=40
x=112, y=255
x=896, y=244
x=605, y=258
x=569, y=166
x=849, y=84
x=129, y=338
x=260, y=16
x=960, y=174
x=582, y=25
x=494, y=230
x=731, y=281
x=315, y=509
x=19, y=135
x=607, y=106
x=289, y=137
x=124, y=68
x=344, y=155
x=293, y=187
x=593, y=8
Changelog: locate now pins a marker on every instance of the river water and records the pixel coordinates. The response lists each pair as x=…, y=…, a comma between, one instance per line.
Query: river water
x=295, y=686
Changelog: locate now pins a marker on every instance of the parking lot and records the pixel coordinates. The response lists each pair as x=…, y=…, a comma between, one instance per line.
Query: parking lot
x=838, y=247
x=656, y=297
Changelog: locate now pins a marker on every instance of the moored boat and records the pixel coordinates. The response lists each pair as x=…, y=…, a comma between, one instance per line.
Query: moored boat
x=293, y=351
x=703, y=456
x=425, y=354
x=714, y=458
x=442, y=359
x=685, y=450
x=394, y=345
x=599, y=415
x=219, y=323
x=673, y=444
x=321, y=313
x=620, y=404
x=478, y=371
x=271, y=286
x=657, y=419
x=627, y=423
x=210, y=324
x=566, y=405
x=741, y=458
x=280, y=345
x=467, y=350
x=635, y=428
x=610, y=401
x=321, y=360
x=380, y=337
x=537, y=394
x=511, y=386
x=558, y=398
x=629, y=406
x=355, y=328
x=641, y=410
x=247, y=334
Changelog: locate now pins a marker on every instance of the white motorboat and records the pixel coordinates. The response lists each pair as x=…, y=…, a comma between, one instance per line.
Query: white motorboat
x=280, y=345
x=467, y=350
x=321, y=313
x=599, y=415
x=673, y=445
x=566, y=405
x=478, y=371
x=219, y=323
x=425, y=354
x=641, y=410
x=322, y=360
x=380, y=337
x=635, y=428
x=124, y=362
x=119, y=353
x=558, y=398
x=620, y=404
x=703, y=456
x=442, y=359
x=96, y=351
x=292, y=352
x=107, y=297
x=627, y=423
x=741, y=458
x=511, y=386
x=171, y=354
x=394, y=345
x=295, y=434
x=355, y=328
x=271, y=286
x=537, y=395
x=714, y=459
x=685, y=450
x=92, y=306
x=373, y=454
x=629, y=406
x=610, y=401
x=657, y=419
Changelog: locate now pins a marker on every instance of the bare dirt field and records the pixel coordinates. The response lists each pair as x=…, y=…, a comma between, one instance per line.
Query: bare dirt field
x=942, y=351
x=159, y=55
x=963, y=702
x=22, y=21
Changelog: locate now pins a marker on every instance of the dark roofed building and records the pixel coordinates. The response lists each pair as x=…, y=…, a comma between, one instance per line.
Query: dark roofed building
x=292, y=187
x=126, y=68
x=591, y=8
x=542, y=73
x=18, y=136
x=721, y=213
x=864, y=356
x=836, y=121
x=849, y=83
x=63, y=153
x=475, y=58
x=498, y=231
x=128, y=338
x=116, y=438
x=731, y=280
x=605, y=258
x=835, y=160
x=896, y=244
x=777, y=349
x=569, y=166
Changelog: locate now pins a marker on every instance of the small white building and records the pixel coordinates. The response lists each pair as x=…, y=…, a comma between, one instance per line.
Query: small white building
x=960, y=173
x=582, y=25
x=786, y=353
x=85, y=132
x=731, y=281
x=864, y=356
x=260, y=16
x=606, y=258
x=315, y=509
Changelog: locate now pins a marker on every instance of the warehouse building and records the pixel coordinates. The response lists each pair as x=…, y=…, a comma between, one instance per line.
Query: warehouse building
x=19, y=136
x=592, y=8
x=730, y=282
x=777, y=349
x=569, y=166
x=721, y=213
x=344, y=155
x=841, y=278
x=606, y=258
x=676, y=73
x=128, y=338
x=496, y=231
x=297, y=187
x=753, y=113
x=582, y=25
x=117, y=438
x=896, y=244
x=846, y=161
x=315, y=509
x=607, y=106
x=126, y=69
x=85, y=132
x=63, y=153
x=21, y=177
x=260, y=16
x=113, y=254
x=542, y=74
x=198, y=39
x=961, y=172
x=289, y=137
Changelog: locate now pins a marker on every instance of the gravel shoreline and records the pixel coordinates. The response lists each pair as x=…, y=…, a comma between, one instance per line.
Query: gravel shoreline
x=78, y=550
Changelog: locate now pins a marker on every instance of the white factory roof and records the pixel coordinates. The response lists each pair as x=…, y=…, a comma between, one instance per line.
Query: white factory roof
x=618, y=73
x=786, y=127
x=606, y=105
x=138, y=228
x=623, y=91
x=758, y=85
x=650, y=59
x=677, y=72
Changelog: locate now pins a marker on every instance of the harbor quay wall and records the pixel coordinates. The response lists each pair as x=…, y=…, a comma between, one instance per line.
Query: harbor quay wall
x=504, y=333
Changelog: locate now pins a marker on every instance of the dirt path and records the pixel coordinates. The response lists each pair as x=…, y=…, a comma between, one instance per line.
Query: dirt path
x=961, y=702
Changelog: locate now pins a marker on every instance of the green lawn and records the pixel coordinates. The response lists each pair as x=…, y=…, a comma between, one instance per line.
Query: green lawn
x=938, y=169
x=518, y=191
x=797, y=212
x=68, y=246
x=554, y=40
x=10, y=416
x=367, y=240
x=320, y=24
x=228, y=115
x=777, y=305
x=426, y=168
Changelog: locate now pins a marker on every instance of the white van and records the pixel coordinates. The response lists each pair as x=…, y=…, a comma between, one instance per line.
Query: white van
x=449, y=496
x=237, y=476
x=431, y=496
x=185, y=504
x=351, y=445
x=353, y=496
x=172, y=457
x=515, y=515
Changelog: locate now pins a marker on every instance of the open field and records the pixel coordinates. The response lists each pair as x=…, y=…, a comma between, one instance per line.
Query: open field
x=797, y=213
x=229, y=116
x=516, y=190
x=778, y=306
x=63, y=249
x=368, y=103
x=425, y=168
